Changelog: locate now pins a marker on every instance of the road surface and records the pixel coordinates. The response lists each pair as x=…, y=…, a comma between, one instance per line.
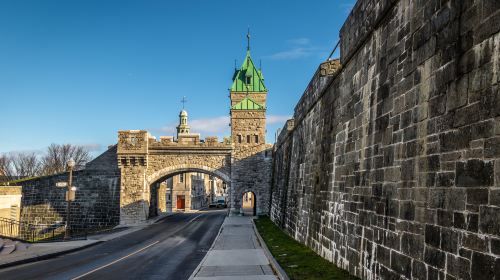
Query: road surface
x=169, y=249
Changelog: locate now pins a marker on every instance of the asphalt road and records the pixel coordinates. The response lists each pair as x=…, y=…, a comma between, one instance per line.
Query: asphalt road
x=169, y=249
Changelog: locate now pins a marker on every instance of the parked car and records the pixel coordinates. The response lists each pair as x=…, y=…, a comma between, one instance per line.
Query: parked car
x=221, y=203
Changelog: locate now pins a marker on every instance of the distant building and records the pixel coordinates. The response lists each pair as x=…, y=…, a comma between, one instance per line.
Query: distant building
x=186, y=191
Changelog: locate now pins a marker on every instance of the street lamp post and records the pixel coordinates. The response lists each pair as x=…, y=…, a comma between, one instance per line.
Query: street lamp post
x=71, y=165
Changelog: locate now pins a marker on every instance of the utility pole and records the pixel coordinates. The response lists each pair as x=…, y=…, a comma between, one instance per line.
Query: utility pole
x=69, y=197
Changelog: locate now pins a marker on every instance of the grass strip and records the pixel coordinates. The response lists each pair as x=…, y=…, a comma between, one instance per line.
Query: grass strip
x=298, y=261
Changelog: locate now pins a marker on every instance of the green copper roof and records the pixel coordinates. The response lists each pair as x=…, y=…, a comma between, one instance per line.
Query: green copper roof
x=248, y=77
x=247, y=104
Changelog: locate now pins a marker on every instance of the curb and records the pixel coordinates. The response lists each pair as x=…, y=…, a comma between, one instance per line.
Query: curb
x=197, y=269
x=48, y=256
x=60, y=253
x=274, y=263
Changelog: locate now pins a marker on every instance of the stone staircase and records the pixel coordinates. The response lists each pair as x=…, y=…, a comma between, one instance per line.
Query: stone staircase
x=8, y=246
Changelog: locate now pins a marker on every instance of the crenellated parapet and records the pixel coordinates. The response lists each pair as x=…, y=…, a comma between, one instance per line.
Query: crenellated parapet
x=133, y=147
x=191, y=140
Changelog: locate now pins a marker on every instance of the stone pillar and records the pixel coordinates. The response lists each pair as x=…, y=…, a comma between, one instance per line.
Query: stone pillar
x=162, y=198
x=132, y=156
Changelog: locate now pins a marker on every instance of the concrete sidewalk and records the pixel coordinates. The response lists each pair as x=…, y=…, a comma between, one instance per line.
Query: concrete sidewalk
x=42, y=251
x=236, y=254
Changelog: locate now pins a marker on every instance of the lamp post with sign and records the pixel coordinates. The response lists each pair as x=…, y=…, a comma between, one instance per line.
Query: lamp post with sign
x=69, y=196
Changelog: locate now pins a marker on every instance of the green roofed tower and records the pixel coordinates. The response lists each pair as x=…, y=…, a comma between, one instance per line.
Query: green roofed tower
x=248, y=95
x=248, y=78
x=250, y=156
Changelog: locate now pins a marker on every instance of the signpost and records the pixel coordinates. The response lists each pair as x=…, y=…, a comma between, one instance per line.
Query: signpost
x=61, y=184
x=70, y=196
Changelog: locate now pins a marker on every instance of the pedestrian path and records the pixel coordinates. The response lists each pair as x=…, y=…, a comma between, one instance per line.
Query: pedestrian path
x=236, y=254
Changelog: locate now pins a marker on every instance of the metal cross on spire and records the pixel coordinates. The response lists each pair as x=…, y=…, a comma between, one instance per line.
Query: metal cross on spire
x=248, y=39
x=183, y=101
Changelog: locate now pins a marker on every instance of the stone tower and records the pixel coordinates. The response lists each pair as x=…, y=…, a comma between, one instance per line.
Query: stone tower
x=251, y=159
x=183, y=126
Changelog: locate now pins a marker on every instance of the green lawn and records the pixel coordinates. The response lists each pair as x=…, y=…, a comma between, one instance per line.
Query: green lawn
x=298, y=261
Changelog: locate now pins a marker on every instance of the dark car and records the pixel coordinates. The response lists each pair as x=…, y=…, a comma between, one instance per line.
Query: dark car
x=221, y=203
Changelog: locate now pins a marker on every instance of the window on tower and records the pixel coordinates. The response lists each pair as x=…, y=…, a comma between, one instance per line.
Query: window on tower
x=256, y=138
x=248, y=138
x=239, y=138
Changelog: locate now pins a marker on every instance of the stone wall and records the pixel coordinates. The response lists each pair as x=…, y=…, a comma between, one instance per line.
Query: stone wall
x=392, y=166
x=251, y=166
x=97, y=198
x=96, y=202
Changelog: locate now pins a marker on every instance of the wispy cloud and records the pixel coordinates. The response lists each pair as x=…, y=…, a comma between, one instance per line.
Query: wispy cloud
x=274, y=119
x=216, y=126
x=207, y=126
x=297, y=48
x=92, y=147
x=299, y=41
x=211, y=125
x=294, y=53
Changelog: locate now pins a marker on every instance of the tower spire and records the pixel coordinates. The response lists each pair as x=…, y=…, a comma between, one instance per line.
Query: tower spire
x=248, y=39
x=183, y=101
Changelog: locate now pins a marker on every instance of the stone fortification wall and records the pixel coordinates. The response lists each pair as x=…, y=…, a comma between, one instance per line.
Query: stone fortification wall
x=97, y=200
x=392, y=166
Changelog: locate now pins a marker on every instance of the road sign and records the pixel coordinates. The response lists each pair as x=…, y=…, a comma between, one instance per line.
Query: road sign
x=61, y=184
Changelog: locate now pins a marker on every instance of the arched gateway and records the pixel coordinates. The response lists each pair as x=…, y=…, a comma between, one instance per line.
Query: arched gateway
x=243, y=160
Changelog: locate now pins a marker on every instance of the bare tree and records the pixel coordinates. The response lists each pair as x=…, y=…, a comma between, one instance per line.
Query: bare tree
x=6, y=171
x=54, y=161
x=26, y=164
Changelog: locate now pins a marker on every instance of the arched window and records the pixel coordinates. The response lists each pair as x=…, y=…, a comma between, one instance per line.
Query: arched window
x=248, y=138
x=256, y=138
x=239, y=138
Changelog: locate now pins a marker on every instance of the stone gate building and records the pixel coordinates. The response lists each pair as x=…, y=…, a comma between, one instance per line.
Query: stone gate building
x=242, y=161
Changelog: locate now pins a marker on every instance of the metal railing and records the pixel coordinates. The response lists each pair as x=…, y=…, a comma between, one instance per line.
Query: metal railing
x=11, y=228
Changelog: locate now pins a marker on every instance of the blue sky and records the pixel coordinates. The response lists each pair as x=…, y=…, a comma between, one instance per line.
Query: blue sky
x=79, y=71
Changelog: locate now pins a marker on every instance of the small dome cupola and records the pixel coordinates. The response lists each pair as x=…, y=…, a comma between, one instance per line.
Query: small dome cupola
x=183, y=126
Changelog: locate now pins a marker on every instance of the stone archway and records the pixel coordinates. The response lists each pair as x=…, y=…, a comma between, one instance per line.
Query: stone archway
x=163, y=194
x=184, y=168
x=143, y=161
x=260, y=200
x=249, y=204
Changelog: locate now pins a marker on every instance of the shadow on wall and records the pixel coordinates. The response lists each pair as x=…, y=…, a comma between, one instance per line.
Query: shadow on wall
x=252, y=174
